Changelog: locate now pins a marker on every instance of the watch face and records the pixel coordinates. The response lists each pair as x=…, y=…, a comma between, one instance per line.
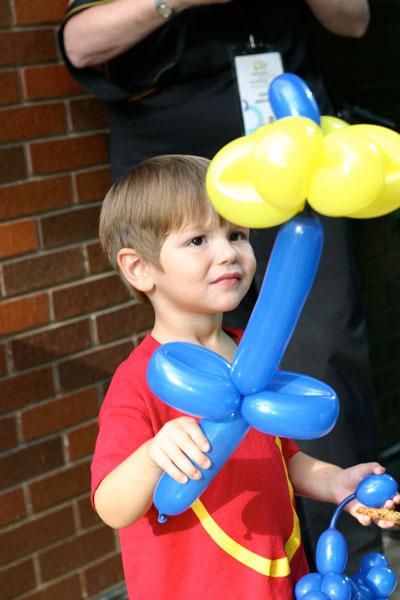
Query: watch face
x=165, y=10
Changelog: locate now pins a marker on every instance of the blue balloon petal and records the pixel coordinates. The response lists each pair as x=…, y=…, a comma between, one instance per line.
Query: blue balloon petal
x=287, y=282
x=290, y=96
x=294, y=406
x=193, y=379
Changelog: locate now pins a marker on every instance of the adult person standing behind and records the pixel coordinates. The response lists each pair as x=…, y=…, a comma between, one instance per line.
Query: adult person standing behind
x=173, y=58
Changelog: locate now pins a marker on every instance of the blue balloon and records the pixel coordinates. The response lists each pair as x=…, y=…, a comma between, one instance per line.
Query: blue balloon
x=336, y=587
x=331, y=554
x=171, y=497
x=381, y=580
x=374, y=490
x=290, y=96
x=287, y=282
x=193, y=379
x=308, y=583
x=373, y=559
x=294, y=406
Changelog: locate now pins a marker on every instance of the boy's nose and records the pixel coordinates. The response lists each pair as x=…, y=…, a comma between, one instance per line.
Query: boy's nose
x=226, y=251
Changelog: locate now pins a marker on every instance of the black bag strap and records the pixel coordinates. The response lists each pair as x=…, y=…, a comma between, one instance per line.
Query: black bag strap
x=94, y=81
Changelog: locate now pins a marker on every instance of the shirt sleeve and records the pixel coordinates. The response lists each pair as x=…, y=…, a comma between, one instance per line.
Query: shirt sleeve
x=124, y=425
x=289, y=449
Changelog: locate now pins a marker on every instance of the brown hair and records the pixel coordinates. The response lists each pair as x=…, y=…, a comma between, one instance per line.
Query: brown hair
x=159, y=195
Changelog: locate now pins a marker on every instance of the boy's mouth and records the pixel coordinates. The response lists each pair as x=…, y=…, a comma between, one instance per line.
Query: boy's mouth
x=231, y=276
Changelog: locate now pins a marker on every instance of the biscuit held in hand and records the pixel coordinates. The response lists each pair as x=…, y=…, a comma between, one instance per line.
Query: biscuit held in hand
x=383, y=514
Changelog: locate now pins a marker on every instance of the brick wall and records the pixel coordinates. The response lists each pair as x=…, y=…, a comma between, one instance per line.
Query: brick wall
x=66, y=321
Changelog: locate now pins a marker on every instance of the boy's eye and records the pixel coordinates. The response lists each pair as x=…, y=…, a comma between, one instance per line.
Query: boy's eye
x=197, y=241
x=235, y=236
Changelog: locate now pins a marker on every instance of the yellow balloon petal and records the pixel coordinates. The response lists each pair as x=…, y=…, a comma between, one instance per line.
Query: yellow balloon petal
x=388, y=144
x=330, y=123
x=349, y=176
x=232, y=192
x=283, y=159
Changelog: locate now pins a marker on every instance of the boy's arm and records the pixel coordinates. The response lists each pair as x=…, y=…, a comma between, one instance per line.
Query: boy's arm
x=326, y=482
x=126, y=493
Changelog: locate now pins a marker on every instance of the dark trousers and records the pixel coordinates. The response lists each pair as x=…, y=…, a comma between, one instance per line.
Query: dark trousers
x=330, y=343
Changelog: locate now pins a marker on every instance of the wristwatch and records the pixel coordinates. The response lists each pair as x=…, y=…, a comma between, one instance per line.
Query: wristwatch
x=163, y=9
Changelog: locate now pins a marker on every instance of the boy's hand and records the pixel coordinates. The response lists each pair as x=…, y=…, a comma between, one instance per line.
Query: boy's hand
x=345, y=484
x=179, y=442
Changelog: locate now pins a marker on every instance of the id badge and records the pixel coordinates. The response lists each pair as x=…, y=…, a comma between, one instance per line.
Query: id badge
x=255, y=68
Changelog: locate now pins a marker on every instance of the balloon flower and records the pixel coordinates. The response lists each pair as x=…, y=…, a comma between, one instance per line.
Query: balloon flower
x=265, y=178
x=374, y=580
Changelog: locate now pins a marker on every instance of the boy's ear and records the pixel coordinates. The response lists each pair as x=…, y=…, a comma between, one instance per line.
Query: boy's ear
x=136, y=270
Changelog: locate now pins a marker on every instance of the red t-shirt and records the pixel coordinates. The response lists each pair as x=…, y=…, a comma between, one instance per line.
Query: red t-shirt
x=240, y=540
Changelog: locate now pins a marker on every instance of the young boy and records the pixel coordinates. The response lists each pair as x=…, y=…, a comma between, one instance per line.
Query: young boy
x=159, y=229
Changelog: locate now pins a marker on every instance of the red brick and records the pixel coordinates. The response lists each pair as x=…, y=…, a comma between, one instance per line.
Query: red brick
x=12, y=164
x=50, y=81
x=25, y=122
x=22, y=390
x=3, y=360
x=93, y=185
x=17, y=238
x=38, y=11
x=23, y=313
x=67, y=589
x=76, y=553
x=81, y=441
x=34, y=196
x=70, y=227
x=71, y=153
x=89, y=113
x=37, y=533
x=92, y=366
x=98, y=262
x=60, y=413
x=17, y=579
x=56, y=488
x=104, y=574
x=9, y=88
x=88, y=297
x=43, y=271
x=12, y=507
x=87, y=515
x=124, y=322
x=51, y=344
x=30, y=461
x=4, y=15
x=27, y=47
x=8, y=433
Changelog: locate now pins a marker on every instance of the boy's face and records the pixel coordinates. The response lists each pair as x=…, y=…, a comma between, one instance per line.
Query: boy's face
x=206, y=269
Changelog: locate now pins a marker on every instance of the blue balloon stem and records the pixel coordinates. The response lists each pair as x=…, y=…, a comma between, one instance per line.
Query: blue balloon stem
x=162, y=518
x=339, y=509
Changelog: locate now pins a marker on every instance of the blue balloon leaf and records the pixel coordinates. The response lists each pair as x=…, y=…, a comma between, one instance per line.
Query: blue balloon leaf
x=193, y=379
